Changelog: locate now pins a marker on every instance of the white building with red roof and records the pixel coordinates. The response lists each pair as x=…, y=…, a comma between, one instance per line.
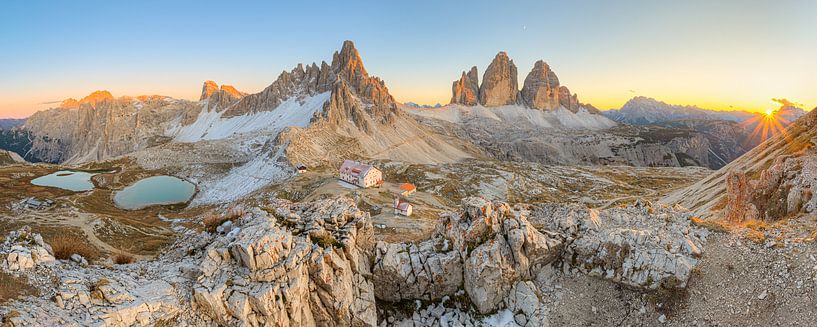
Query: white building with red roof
x=360, y=174
x=402, y=207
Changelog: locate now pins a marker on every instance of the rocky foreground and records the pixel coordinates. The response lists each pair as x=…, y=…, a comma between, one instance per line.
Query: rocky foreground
x=304, y=264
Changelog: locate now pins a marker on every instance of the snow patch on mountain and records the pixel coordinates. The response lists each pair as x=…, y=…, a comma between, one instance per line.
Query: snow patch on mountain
x=210, y=125
x=514, y=114
x=267, y=168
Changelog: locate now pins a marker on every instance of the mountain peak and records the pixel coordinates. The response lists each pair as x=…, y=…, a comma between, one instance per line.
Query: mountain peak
x=229, y=89
x=541, y=89
x=466, y=89
x=221, y=97
x=310, y=80
x=208, y=89
x=96, y=96
x=347, y=62
x=499, y=83
x=69, y=103
x=91, y=99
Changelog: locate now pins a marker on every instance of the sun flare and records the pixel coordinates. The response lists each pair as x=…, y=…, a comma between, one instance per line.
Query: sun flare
x=769, y=112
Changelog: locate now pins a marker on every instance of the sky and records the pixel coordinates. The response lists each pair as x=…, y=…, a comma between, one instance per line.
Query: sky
x=715, y=54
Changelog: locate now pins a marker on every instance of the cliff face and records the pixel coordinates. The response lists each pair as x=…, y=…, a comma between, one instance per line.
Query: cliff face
x=102, y=127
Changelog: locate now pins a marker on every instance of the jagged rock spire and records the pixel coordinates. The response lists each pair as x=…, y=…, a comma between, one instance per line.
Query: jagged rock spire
x=499, y=83
x=466, y=89
x=541, y=87
x=347, y=62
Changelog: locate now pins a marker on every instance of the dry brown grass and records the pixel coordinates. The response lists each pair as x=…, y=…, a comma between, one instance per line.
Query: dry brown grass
x=756, y=225
x=14, y=287
x=66, y=245
x=212, y=221
x=123, y=259
x=713, y=225
x=756, y=236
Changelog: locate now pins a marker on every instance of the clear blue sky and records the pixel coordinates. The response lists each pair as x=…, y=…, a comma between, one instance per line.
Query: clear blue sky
x=735, y=53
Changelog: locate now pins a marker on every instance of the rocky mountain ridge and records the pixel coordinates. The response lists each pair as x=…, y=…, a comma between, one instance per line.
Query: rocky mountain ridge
x=100, y=126
x=541, y=89
x=642, y=110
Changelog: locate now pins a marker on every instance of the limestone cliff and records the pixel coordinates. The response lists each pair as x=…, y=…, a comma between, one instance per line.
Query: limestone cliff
x=101, y=127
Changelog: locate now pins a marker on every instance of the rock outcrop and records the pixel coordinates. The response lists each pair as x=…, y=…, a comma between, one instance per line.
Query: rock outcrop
x=308, y=264
x=644, y=246
x=493, y=252
x=466, y=89
x=268, y=275
x=499, y=83
x=208, y=89
x=485, y=249
x=787, y=187
x=24, y=250
x=568, y=101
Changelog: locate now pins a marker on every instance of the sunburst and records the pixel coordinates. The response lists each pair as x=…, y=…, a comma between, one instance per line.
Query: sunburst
x=766, y=126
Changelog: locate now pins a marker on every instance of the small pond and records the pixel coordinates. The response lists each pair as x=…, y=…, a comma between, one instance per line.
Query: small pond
x=156, y=190
x=77, y=181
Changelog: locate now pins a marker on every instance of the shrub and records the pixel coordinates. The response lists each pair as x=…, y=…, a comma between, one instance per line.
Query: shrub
x=123, y=258
x=66, y=245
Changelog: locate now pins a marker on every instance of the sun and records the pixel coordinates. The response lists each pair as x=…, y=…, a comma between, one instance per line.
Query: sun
x=769, y=112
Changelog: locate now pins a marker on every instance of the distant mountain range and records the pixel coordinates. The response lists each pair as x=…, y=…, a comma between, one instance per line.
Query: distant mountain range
x=646, y=111
x=424, y=106
x=10, y=123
